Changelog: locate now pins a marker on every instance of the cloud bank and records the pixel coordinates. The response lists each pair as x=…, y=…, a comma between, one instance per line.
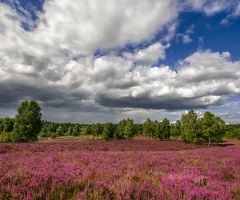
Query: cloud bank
x=102, y=57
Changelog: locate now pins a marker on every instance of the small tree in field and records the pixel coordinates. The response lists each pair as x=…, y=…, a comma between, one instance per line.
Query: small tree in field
x=213, y=127
x=76, y=130
x=220, y=129
x=27, y=122
x=129, y=129
x=189, y=126
x=59, y=131
x=148, y=128
x=96, y=129
x=107, y=131
x=69, y=132
x=119, y=134
x=164, y=129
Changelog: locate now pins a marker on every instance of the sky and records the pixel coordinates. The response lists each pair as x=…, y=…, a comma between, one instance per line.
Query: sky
x=102, y=61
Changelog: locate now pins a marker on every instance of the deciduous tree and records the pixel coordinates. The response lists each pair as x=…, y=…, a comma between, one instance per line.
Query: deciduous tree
x=164, y=129
x=147, y=128
x=213, y=128
x=27, y=122
x=129, y=129
x=189, y=126
x=107, y=131
x=59, y=131
x=76, y=130
x=97, y=129
x=120, y=132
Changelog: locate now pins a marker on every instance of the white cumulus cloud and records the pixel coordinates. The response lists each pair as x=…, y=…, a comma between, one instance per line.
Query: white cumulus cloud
x=55, y=62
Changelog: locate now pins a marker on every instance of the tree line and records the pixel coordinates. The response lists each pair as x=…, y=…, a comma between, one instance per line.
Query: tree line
x=28, y=126
x=190, y=128
x=125, y=129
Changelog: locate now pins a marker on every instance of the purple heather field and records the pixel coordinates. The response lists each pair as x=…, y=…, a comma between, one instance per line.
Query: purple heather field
x=74, y=168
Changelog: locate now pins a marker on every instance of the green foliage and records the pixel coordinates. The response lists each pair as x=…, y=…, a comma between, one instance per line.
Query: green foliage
x=1, y=125
x=3, y=133
x=207, y=129
x=69, y=132
x=120, y=132
x=125, y=129
x=85, y=130
x=5, y=137
x=107, y=131
x=175, y=129
x=155, y=129
x=43, y=132
x=129, y=129
x=6, y=127
x=50, y=130
x=213, y=128
x=59, y=131
x=164, y=129
x=17, y=136
x=148, y=128
x=96, y=129
x=233, y=131
x=189, y=126
x=220, y=129
x=8, y=124
x=27, y=122
x=54, y=135
x=76, y=130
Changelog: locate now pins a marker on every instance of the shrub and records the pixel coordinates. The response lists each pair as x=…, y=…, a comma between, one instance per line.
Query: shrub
x=5, y=137
x=54, y=135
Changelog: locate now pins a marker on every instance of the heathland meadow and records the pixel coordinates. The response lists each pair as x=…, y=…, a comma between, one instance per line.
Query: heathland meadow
x=74, y=168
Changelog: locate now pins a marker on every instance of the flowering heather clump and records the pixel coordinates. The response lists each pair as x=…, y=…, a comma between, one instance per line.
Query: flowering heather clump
x=142, y=169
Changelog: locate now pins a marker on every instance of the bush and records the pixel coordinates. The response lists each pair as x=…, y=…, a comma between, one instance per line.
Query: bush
x=43, y=134
x=1, y=136
x=198, y=141
x=5, y=137
x=54, y=135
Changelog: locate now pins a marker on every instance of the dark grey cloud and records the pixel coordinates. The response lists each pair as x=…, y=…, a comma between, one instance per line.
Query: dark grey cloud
x=39, y=63
x=49, y=96
x=123, y=84
x=164, y=103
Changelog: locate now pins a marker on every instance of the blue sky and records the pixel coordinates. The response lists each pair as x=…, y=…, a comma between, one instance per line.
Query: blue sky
x=96, y=61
